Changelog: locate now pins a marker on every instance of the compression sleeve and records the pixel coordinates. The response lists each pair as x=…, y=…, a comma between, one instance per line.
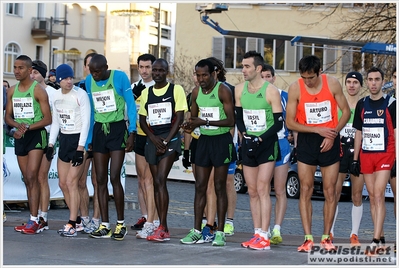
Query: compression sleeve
x=278, y=124
x=239, y=120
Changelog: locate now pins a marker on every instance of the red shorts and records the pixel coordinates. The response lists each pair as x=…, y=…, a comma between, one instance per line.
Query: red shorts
x=372, y=162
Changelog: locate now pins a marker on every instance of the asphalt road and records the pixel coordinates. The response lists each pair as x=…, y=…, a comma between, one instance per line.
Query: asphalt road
x=48, y=248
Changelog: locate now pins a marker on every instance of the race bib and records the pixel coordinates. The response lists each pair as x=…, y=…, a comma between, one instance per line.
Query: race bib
x=160, y=113
x=318, y=112
x=210, y=113
x=348, y=131
x=254, y=120
x=23, y=108
x=66, y=119
x=373, y=139
x=104, y=101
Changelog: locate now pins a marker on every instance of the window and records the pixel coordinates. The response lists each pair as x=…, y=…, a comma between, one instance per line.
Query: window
x=327, y=55
x=164, y=52
x=40, y=10
x=11, y=52
x=231, y=50
x=354, y=60
x=164, y=16
x=14, y=9
x=39, y=53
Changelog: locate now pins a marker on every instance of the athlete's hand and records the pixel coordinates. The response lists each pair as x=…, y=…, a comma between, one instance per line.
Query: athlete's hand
x=355, y=168
x=17, y=134
x=326, y=145
x=393, y=170
x=130, y=142
x=186, y=159
x=328, y=133
x=50, y=153
x=77, y=159
x=137, y=89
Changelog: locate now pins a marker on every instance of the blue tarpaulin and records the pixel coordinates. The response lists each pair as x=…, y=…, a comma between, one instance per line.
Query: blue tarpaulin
x=379, y=48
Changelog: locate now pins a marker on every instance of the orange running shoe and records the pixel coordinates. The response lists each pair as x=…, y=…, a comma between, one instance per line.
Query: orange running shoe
x=250, y=241
x=331, y=237
x=327, y=244
x=306, y=246
x=260, y=243
x=354, y=241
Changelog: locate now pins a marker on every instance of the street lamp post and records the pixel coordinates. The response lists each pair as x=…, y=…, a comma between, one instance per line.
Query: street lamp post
x=51, y=37
x=159, y=31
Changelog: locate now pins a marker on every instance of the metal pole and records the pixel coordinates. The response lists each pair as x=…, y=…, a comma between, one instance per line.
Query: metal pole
x=159, y=31
x=51, y=37
x=65, y=27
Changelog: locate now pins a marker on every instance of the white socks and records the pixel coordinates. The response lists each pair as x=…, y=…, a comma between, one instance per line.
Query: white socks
x=357, y=213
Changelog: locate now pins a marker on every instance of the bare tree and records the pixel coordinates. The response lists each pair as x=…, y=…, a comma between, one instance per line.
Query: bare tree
x=366, y=22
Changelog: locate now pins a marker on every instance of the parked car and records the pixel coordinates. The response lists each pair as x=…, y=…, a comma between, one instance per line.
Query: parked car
x=293, y=184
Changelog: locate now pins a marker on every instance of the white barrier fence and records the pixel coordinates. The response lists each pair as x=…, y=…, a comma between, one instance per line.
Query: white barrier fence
x=14, y=188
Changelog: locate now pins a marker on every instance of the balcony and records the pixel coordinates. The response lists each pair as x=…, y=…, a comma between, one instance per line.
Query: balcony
x=46, y=28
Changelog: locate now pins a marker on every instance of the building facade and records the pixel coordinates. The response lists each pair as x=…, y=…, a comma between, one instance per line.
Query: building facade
x=269, y=28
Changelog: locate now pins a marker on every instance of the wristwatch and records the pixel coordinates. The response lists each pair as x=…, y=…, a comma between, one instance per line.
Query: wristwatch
x=165, y=142
x=27, y=127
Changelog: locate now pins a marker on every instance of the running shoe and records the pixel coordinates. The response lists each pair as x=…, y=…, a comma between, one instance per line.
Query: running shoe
x=371, y=250
x=19, y=227
x=68, y=231
x=207, y=234
x=30, y=228
x=354, y=240
x=91, y=226
x=139, y=224
x=250, y=241
x=331, y=237
x=306, y=246
x=82, y=225
x=159, y=235
x=120, y=232
x=260, y=243
x=193, y=237
x=327, y=244
x=220, y=239
x=148, y=229
x=228, y=229
x=276, y=237
x=43, y=225
x=101, y=232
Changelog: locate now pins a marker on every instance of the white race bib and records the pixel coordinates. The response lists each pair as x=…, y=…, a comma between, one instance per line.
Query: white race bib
x=104, y=101
x=210, y=113
x=23, y=107
x=348, y=131
x=160, y=113
x=255, y=120
x=66, y=119
x=373, y=139
x=318, y=112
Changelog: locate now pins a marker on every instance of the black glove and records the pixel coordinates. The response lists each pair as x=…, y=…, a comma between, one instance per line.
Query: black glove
x=355, y=168
x=293, y=159
x=137, y=89
x=252, y=144
x=77, y=159
x=50, y=153
x=186, y=159
x=89, y=154
x=393, y=170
